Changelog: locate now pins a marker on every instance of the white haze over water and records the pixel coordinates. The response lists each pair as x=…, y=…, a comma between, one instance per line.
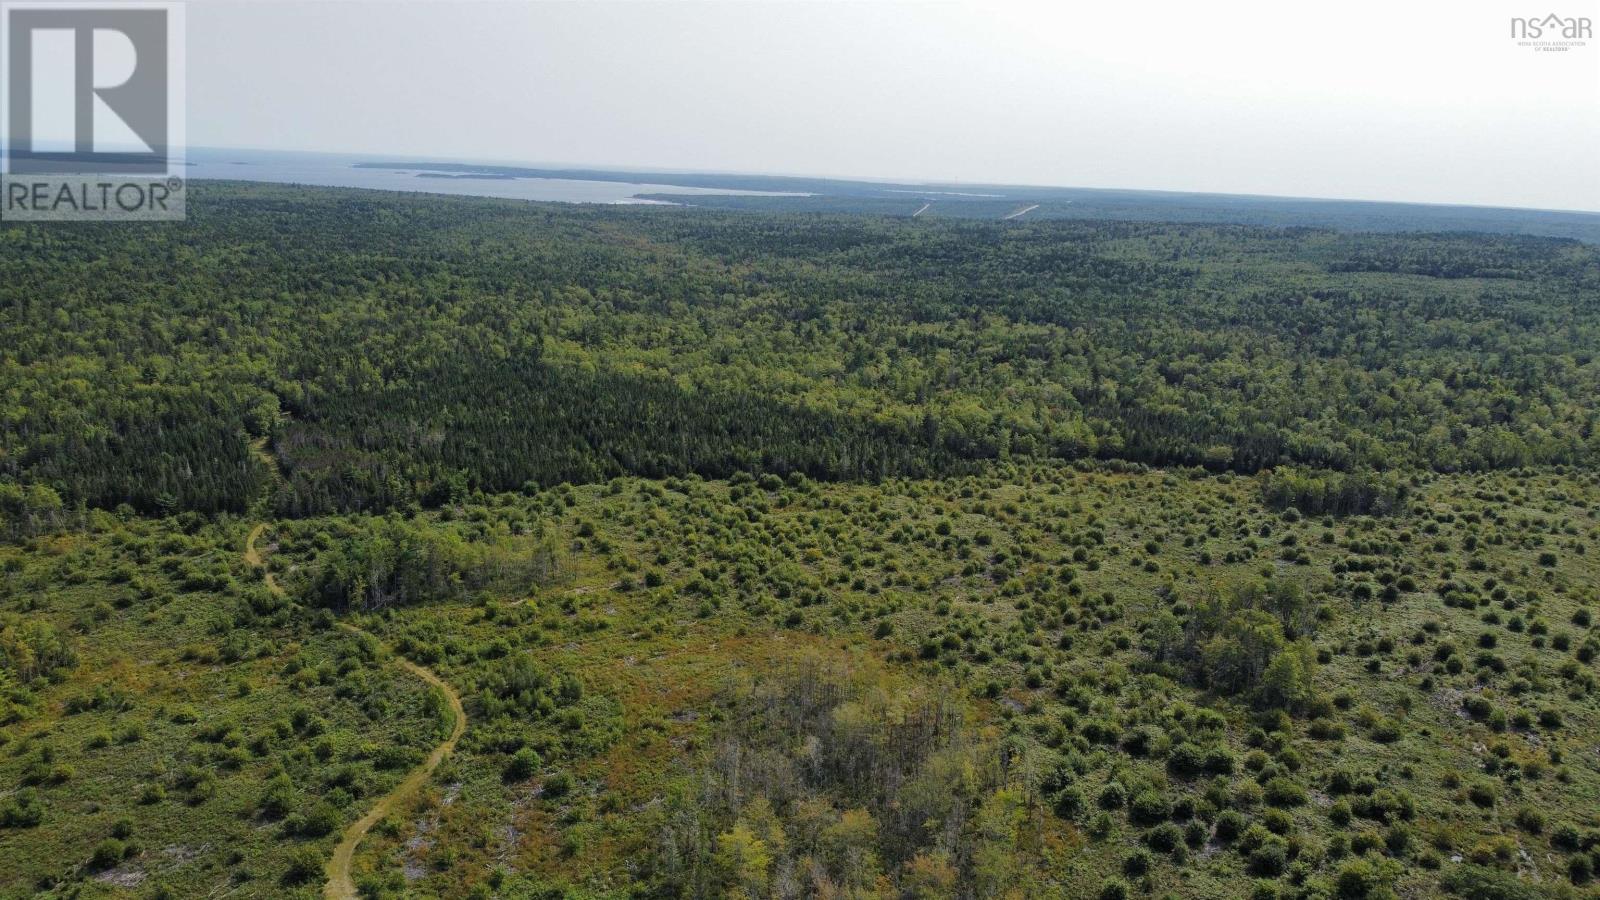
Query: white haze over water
x=338, y=170
x=1426, y=100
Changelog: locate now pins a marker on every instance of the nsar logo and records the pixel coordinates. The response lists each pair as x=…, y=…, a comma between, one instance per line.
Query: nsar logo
x=1552, y=32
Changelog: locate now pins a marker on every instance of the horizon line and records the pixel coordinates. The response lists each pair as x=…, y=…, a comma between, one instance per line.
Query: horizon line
x=370, y=156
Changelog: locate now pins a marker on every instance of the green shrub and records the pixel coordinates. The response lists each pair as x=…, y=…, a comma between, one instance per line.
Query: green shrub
x=323, y=819
x=1580, y=869
x=1482, y=794
x=107, y=853
x=23, y=809
x=1149, y=808
x=305, y=865
x=1530, y=820
x=1230, y=824
x=1113, y=795
x=1164, y=838
x=1069, y=803
x=557, y=785
x=1283, y=792
x=1365, y=879
x=277, y=798
x=1339, y=813
x=522, y=765
x=1270, y=858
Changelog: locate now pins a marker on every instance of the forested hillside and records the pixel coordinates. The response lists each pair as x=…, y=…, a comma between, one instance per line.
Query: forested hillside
x=401, y=350
x=424, y=547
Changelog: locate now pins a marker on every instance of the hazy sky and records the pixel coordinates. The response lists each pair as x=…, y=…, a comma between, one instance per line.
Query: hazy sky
x=1426, y=100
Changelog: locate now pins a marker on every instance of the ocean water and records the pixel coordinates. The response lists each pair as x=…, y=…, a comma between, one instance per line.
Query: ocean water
x=338, y=170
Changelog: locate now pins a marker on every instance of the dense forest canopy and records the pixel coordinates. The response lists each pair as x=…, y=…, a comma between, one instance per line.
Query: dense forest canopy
x=400, y=350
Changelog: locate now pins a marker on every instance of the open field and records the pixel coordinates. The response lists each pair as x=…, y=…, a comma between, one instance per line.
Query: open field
x=1447, y=722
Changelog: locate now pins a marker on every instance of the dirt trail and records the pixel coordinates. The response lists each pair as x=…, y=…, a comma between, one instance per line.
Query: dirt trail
x=1022, y=212
x=253, y=557
x=340, y=885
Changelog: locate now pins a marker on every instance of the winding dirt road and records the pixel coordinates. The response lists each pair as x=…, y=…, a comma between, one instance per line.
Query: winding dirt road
x=340, y=885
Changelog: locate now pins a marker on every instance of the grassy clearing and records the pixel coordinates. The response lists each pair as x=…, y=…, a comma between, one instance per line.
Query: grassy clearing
x=703, y=687
x=204, y=740
x=1030, y=599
